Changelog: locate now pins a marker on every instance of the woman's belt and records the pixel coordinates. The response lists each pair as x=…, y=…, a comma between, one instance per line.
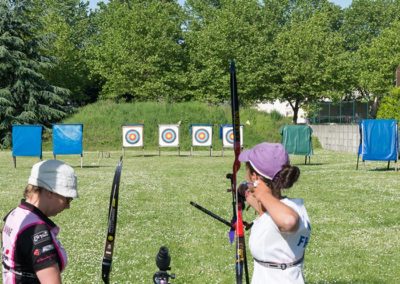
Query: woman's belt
x=282, y=266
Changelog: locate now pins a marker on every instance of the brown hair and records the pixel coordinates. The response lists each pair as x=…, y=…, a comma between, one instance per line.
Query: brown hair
x=31, y=189
x=285, y=178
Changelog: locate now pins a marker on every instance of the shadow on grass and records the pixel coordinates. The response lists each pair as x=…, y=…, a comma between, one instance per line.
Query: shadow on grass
x=147, y=155
x=96, y=166
x=382, y=169
x=313, y=164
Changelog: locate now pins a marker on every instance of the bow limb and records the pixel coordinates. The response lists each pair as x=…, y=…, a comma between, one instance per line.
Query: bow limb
x=237, y=201
x=112, y=225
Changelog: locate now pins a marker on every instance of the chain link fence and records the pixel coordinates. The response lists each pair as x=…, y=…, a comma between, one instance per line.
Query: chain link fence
x=345, y=112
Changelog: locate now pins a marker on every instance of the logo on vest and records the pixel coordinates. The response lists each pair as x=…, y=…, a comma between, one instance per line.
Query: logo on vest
x=47, y=248
x=7, y=230
x=40, y=237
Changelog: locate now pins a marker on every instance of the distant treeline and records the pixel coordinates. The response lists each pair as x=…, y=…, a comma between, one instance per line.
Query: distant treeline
x=57, y=55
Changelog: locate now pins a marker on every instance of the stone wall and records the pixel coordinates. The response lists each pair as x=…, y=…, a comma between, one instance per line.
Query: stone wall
x=338, y=137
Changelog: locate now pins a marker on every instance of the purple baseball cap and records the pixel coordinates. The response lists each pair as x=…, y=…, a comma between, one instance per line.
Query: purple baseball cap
x=266, y=158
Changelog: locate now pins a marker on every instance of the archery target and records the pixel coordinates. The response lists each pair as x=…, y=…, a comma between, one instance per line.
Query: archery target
x=132, y=136
x=168, y=135
x=228, y=136
x=201, y=135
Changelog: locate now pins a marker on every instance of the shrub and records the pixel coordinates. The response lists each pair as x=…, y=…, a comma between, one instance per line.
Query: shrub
x=390, y=105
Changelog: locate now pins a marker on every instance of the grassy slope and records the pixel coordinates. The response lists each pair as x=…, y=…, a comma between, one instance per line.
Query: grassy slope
x=354, y=214
x=103, y=120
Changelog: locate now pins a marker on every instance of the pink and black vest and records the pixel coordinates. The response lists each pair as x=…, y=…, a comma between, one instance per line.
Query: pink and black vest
x=29, y=244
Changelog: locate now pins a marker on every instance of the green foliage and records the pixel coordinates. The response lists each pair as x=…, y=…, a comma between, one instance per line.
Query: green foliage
x=370, y=29
x=25, y=95
x=66, y=25
x=354, y=217
x=136, y=50
x=310, y=59
x=390, y=105
x=103, y=120
x=364, y=20
x=380, y=60
x=276, y=115
x=220, y=31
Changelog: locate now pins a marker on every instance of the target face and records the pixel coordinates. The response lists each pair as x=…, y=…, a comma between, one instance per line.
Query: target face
x=201, y=135
x=228, y=138
x=169, y=135
x=132, y=136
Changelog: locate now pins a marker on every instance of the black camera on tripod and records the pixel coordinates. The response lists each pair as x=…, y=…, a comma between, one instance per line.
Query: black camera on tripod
x=163, y=260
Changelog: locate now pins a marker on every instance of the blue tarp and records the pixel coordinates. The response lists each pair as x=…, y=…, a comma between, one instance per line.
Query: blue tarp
x=67, y=139
x=27, y=140
x=379, y=140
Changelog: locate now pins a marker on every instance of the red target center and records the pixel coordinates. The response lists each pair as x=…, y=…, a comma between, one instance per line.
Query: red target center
x=202, y=136
x=231, y=136
x=168, y=136
x=132, y=136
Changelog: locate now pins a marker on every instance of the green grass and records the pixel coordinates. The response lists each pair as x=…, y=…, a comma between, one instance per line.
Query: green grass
x=354, y=214
x=102, y=123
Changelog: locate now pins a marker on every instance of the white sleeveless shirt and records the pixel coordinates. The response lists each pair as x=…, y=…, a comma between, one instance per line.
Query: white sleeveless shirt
x=268, y=244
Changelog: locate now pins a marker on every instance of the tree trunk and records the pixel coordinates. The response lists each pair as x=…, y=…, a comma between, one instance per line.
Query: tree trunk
x=295, y=107
x=374, y=108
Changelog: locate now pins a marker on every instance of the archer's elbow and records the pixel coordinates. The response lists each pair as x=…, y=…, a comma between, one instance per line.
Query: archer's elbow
x=290, y=223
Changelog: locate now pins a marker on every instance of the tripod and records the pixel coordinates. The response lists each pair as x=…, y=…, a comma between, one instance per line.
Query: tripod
x=163, y=260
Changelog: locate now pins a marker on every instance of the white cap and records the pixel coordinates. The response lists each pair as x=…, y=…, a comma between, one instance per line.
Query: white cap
x=55, y=176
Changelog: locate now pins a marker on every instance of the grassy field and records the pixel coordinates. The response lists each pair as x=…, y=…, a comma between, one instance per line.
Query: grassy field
x=354, y=214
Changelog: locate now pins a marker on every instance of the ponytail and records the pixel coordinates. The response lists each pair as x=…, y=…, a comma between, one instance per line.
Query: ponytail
x=285, y=178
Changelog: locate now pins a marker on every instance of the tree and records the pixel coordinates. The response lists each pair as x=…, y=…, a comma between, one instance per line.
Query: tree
x=311, y=60
x=219, y=31
x=25, y=96
x=364, y=20
x=66, y=24
x=390, y=105
x=378, y=63
x=138, y=51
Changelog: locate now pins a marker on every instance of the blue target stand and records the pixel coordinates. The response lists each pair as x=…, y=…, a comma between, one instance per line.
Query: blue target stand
x=26, y=141
x=168, y=136
x=378, y=141
x=132, y=137
x=67, y=140
x=201, y=136
x=227, y=135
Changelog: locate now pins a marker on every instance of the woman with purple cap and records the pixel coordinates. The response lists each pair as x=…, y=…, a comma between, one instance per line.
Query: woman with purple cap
x=281, y=231
x=31, y=252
